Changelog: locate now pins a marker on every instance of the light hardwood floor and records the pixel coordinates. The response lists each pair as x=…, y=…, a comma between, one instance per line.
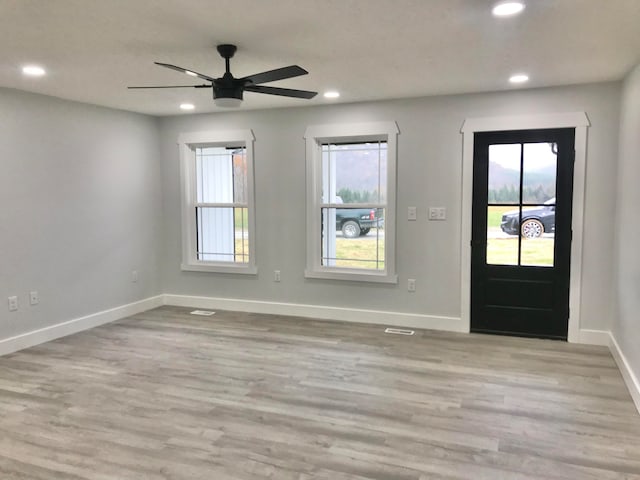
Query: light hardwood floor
x=167, y=395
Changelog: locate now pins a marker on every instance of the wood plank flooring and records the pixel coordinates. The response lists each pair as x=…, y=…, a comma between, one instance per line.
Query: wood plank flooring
x=168, y=395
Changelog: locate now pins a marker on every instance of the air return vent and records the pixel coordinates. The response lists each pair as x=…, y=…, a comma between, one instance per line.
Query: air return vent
x=399, y=331
x=203, y=313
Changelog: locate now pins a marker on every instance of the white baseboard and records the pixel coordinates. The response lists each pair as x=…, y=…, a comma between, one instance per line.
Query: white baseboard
x=628, y=374
x=70, y=327
x=394, y=319
x=594, y=337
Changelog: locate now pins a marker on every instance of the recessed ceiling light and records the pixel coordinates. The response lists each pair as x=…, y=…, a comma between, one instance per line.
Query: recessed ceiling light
x=506, y=9
x=188, y=72
x=187, y=106
x=33, y=70
x=331, y=94
x=519, y=78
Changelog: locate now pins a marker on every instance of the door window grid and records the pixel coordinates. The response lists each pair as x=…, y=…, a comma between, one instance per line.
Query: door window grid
x=529, y=248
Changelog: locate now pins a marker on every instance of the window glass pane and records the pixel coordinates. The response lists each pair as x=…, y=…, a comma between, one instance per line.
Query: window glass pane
x=215, y=168
x=222, y=234
x=241, y=234
x=504, y=173
x=239, y=159
x=354, y=173
x=539, y=172
x=502, y=235
x=353, y=238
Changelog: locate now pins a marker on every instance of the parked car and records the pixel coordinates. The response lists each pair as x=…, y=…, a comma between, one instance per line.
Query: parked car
x=535, y=221
x=355, y=222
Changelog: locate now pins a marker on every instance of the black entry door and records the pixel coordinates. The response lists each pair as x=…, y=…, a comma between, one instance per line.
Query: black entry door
x=521, y=232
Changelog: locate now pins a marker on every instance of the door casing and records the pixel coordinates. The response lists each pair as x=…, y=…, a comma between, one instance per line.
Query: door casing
x=580, y=122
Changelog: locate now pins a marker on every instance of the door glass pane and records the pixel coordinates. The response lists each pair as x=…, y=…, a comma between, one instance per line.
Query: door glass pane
x=539, y=172
x=502, y=235
x=504, y=173
x=538, y=235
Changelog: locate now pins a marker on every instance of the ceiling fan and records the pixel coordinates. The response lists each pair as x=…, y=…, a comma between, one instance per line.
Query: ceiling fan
x=228, y=90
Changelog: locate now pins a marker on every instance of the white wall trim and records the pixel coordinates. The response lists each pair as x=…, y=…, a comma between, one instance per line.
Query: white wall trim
x=36, y=337
x=629, y=376
x=395, y=319
x=593, y=337
x=580, y=122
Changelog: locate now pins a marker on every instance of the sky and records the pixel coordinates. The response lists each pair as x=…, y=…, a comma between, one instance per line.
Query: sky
x=536, y=156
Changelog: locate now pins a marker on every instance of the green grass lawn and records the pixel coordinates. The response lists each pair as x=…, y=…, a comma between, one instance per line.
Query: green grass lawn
x=504, y=251
x=535, y=251
x=360, y=252
x=241, y=218
x=494, y=215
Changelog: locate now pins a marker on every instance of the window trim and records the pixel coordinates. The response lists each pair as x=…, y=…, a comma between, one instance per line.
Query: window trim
x=315, y=136
x=187, y=142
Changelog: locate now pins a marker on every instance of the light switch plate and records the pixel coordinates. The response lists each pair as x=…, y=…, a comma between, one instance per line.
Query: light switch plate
x=437, y=213
x=412, y=213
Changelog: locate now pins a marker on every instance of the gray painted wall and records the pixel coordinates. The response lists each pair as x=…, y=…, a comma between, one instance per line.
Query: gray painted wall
x=626, y=328
x=80, y=209
x=429, y=174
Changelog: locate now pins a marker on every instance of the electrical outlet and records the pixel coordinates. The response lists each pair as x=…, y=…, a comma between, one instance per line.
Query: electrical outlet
x=412, y=214
x=34, y=298
x=276, y=275
x=134, y=276
x=13, y=303
x=411, y=285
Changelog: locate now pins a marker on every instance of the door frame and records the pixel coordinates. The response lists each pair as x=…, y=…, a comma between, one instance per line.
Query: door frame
x=580, y=122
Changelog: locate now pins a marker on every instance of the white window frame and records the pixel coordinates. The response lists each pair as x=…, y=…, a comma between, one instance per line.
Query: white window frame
x=315, y=136
x=187, y=143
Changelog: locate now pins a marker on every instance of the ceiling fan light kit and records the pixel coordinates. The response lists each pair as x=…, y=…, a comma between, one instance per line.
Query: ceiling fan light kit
x=228, y=91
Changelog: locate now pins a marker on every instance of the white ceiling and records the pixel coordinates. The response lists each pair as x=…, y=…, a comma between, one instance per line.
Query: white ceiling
x=366, y=49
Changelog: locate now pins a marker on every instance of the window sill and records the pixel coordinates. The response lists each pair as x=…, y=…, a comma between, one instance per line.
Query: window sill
x=352, y=276
x=218, y=268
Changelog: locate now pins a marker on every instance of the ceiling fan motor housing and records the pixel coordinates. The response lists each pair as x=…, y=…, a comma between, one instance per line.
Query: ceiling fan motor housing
x=227, y=92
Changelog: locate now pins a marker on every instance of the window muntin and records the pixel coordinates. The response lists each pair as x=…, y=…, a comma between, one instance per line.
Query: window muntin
x=354, y=186
x=218, y=205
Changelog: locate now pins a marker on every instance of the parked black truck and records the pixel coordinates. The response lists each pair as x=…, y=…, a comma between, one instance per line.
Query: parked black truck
x=355, y=222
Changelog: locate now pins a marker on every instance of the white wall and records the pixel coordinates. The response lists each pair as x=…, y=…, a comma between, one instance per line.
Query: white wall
x=429, y=173
x=80, y=208
x=626, y=327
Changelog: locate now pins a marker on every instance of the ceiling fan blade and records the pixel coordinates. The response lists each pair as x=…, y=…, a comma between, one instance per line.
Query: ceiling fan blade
x=176, y=86
x=188, y=72
x=277, y=74
x=285, y=92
